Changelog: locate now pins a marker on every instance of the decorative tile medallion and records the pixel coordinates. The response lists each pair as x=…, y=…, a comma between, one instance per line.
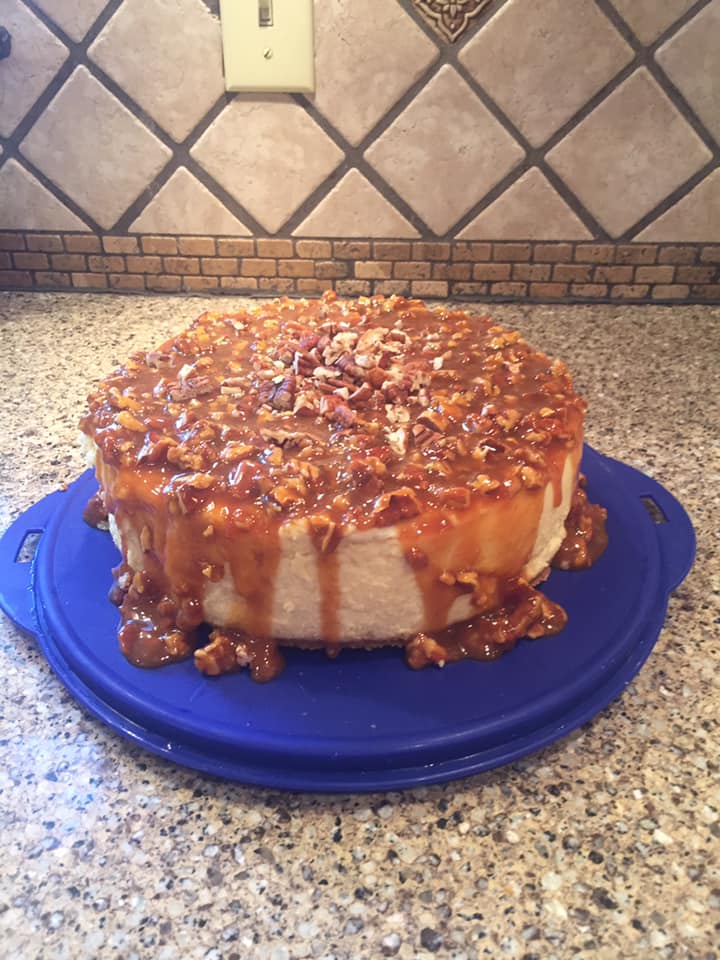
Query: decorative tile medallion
x=450, y=18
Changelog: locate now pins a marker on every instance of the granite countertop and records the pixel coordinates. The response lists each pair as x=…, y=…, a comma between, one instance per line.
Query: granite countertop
x=603, y=845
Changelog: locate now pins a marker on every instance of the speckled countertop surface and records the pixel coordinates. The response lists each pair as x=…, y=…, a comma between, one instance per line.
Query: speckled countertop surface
x=604, y=845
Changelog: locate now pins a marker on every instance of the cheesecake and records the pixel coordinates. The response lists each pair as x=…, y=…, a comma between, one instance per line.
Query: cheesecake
x=338, y=473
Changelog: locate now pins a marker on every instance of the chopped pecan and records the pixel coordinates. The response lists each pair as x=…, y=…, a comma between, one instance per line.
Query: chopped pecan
x=190, y=389
x=122, y=401
x=457, y=498
x=433, y=420
x=421, y=435
x=187, y=458
x=423, y=650
x=484, y=483
x=282, y=396
x=218, y=656
x=531, y=478
x=309, y=471
x=129, y=422
x=346, y=363
x=361, y=394
x=324, y=533
x=188, y=490
x=286, y=438
x=292, y=491
x=509, y=419
x=155, y=448
x=396, y=505
x=398, y=440
x=375, y=377
x=235, y=450
x=157, y=358
x=199, y=481
x=306, y=404
x=332, y=408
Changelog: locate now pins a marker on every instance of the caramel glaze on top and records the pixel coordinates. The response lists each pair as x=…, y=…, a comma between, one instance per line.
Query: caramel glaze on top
x=349, y=414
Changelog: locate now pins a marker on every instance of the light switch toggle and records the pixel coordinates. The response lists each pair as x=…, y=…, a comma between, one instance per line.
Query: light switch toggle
x=265, y=13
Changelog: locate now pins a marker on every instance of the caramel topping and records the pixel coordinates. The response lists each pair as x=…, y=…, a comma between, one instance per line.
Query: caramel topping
x=365, y=412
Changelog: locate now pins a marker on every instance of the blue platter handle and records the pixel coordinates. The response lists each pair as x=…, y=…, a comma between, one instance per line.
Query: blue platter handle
x=16, y=589
x=673, y=527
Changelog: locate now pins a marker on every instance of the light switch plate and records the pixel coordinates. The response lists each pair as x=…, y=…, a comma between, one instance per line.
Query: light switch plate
x=279, y=57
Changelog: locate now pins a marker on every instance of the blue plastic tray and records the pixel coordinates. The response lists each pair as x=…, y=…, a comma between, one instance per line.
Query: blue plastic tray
x=364, y=721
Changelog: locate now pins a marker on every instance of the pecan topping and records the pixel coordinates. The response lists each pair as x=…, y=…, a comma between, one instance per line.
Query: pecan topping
x=374, y=410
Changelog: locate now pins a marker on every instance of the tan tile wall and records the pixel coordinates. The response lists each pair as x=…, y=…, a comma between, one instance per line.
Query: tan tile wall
x=531, y=132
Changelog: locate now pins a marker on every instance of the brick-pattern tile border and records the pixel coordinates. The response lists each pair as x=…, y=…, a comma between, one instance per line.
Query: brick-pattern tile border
x=491, y=271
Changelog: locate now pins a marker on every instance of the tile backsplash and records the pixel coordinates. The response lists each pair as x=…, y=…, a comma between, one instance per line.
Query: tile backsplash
x=445, y=123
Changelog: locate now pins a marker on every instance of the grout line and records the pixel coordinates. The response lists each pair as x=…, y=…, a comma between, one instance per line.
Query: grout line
x=670, y=201
x=510, y=178
x=593, y=225
x=628, y=34
x=354, y=157
x=411, y=10
x=399, y=107
x=226, y=199
x=645, y=56
x=40, y=105
x=430, y=32
x=93, y=30
x=180, y=151
x=589, y=106
x=49, y=93
x=478, y=24
x=68, y=202
x=535, y=156
x=684, y=107
x=448, y=53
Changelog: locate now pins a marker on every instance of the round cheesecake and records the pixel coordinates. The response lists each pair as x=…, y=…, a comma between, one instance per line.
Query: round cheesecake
x=338, y=473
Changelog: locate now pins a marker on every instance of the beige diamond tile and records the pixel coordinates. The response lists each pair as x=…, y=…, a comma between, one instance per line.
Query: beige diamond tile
x=175, y=74
x=541, y=62
x=354, y=208
x=94, y=149
x=184, y=205
x=531, y=209
x=694, y=218
x=268, y=154
x=367, y=55
x=75, y=17
x=25, y=204
x=692, y=61
x=649, y=18
x=36, y=57
x=629, y=154
x=445, y=151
